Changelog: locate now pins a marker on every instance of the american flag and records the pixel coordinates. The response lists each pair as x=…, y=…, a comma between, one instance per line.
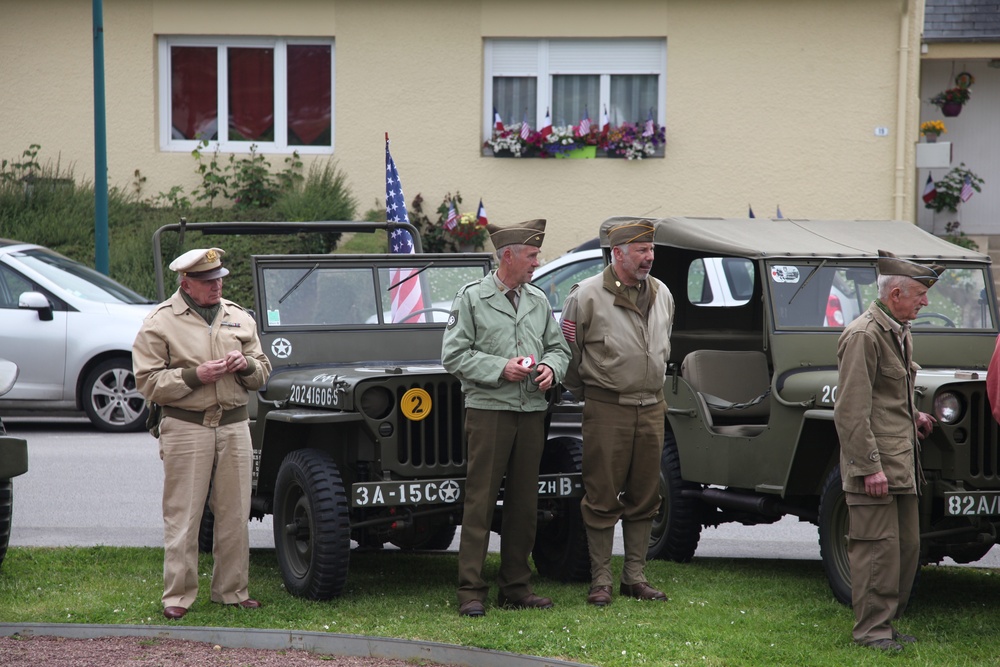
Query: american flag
x=406, y=296
x=481, y=214
x=967, y=191
x=648, y=132
x=525, y=130
x=497, y=120
x=452, y=220
x=584, y=127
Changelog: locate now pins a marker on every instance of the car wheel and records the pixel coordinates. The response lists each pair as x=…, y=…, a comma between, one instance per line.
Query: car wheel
x=834, y=526
x=312, y=527
x=560, y=550
x=677, y=526
x=110, y=398
x=6, y=512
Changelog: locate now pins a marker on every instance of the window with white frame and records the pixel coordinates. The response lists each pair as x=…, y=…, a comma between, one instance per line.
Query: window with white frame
x=234, y=92
x=525, y=79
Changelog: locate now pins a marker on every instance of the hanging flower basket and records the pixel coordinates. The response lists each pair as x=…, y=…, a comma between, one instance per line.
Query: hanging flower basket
x=951, y=109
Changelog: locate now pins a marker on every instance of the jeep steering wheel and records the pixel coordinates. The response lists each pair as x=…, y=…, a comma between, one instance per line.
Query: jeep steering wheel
x=422, y=311
x=948, y=322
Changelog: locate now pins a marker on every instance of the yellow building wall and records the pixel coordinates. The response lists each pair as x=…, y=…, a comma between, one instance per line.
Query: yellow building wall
x=769, y=103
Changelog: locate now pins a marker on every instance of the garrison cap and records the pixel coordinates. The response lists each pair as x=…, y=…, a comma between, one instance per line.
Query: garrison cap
x=201, y=264
x=524, y=233
x=630, y=232
x=890, y=265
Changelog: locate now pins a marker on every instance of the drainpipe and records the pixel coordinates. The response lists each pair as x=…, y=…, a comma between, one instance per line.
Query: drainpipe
x=902, y=133
x=101, y=262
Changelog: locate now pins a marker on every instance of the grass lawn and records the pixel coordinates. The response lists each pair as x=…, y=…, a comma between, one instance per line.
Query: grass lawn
x=721, y=611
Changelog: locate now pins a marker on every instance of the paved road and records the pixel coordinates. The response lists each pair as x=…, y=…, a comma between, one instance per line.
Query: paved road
x=87, y=488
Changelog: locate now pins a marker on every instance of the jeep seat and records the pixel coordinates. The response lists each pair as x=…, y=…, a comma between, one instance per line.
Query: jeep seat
x=732, y=387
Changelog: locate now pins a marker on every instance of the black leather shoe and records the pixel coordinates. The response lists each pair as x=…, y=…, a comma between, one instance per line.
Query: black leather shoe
x=472, y=608
x=887, y=645
x=529, y=601
x=174, y=613
x=898, y=636
x=642, y=591
x=599, y=596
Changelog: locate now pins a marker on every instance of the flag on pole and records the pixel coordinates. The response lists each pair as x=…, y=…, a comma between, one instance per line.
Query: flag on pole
x=605, y=120
x=497, y=121
x=751, y=211
x=649, y=129
x=547, y=127
x=584, y=127
x=779, y=211
x=525, y=130
x=452, y=220
x=967, y=190
x=481, y=214
x=406, y=296
x=930, y=190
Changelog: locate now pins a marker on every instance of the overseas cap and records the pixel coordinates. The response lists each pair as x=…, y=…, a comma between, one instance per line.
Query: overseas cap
x=201, y=264
x=630, y=232
x=890, y=265
x=525, y=233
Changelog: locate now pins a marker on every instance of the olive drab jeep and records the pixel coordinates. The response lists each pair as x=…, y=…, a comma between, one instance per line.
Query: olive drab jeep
x=752, y=383
x=13, y=460
x=358, y=435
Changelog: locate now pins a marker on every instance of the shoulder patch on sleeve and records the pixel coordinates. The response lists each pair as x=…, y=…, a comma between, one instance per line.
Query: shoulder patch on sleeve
x=452, y=319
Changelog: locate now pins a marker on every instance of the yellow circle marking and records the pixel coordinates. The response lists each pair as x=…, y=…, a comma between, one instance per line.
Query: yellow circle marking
x=416, y=404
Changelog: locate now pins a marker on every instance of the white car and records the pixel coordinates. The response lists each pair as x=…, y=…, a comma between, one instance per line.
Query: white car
x=70, y=330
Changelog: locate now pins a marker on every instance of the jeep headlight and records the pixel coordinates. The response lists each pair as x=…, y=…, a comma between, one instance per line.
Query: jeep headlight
x=948, y=407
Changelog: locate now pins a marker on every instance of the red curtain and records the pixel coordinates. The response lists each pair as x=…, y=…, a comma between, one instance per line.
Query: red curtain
x=194, y=106
x=251, y=94
x=308, y=95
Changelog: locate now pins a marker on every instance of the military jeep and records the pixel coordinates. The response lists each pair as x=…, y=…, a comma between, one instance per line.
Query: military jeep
x=752, y=381
x=358, y=434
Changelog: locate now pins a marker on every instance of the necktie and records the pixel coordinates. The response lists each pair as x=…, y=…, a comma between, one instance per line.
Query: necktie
x=512, y=297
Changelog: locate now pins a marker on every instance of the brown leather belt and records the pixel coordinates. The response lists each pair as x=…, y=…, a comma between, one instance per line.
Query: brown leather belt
x=228, y=416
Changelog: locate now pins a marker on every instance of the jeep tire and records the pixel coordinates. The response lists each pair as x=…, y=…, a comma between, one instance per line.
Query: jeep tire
x=834, y=526
x=677, y=526
x=560, y=550
x=312, y=531
x=6, y=512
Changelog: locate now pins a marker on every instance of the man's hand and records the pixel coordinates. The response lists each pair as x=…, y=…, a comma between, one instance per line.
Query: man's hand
x=876, y=485
x=212, y=371
x=514, y=371
x=545, y=377
x=925, y=424
x=235, y=361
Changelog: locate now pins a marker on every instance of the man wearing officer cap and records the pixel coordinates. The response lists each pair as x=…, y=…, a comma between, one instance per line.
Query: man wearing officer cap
x=878, y=425
x=625, y=315
x=502, y=342
x=198, y=356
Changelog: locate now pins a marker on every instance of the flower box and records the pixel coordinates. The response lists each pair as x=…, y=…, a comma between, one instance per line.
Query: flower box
x=581, y=153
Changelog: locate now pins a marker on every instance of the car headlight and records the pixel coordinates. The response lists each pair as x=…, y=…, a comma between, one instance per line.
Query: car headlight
x=948, y=407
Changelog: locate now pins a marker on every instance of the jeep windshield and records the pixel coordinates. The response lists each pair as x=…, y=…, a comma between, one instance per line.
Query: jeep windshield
x=822, y=294
x=319, y=292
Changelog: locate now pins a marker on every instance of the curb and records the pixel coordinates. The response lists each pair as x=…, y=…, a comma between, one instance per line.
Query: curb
x=323, y=643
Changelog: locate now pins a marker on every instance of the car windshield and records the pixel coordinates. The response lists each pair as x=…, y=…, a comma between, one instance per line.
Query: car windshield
x=77, y=279
x=323, y=295
x=821, y=294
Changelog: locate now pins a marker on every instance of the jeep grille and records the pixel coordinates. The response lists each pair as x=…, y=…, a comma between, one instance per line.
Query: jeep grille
x=437, y=442
x=983, y=452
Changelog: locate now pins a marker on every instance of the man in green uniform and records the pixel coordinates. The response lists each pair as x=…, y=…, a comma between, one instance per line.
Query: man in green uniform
x=198, y=355
x=878, y=425
x=503, y=343
x=618, y=326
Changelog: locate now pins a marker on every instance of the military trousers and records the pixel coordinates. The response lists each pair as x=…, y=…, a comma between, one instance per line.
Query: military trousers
x=502, y=444
x=196, y=457
x=622, y=446
x=884, y=553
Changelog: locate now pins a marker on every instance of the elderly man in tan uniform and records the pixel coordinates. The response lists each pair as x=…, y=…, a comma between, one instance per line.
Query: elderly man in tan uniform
x=617, y=324
x=878, y=425
x=198, y=355
x=504, y=345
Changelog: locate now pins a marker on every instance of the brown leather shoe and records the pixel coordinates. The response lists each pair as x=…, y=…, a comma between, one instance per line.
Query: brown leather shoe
x=529, y=601
x=174, y=613
x=473, y=608
x=599, y=596
x=886, y=645
x=642, y=591
x=249, y=603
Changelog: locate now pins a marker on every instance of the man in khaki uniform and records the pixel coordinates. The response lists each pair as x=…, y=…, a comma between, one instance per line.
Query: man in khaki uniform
x=198, y=355
x=878, y=426
x=504, y=345
x=617, y=324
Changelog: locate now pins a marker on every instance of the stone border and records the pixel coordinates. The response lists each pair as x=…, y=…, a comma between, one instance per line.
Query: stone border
x=315, y=642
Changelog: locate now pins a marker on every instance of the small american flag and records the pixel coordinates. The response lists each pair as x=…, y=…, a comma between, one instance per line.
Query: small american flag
x=584, y=127
x=481, y=214
x=525, y=130
x=569, y=331
x=967, y=191
x=406, y=296
x=452, y=220
x=648, y=131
